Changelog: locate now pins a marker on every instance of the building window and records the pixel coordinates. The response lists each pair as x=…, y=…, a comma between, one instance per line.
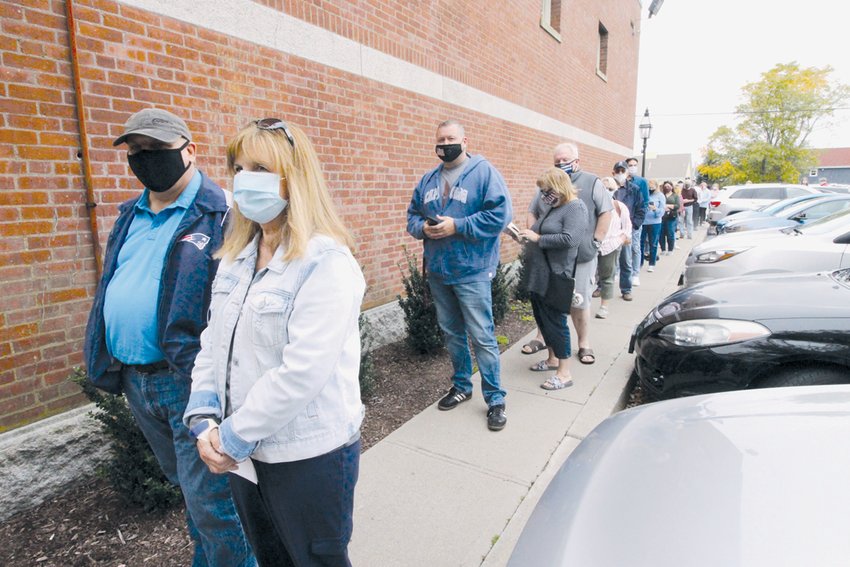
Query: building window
x=602, y=56
x=550, y=17
x=813, y=173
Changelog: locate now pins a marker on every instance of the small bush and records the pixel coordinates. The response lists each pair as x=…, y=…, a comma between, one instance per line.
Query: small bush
x=367, y=368
x=520, y=291
x=132, y=469
x=500, y=288
x=420, y=315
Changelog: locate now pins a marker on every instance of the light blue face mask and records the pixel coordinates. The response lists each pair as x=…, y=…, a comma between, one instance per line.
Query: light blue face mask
x=257, y=193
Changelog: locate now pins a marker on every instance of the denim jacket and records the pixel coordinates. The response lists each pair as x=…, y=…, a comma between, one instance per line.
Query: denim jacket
x=184, y=292
x=293, y=390
x=481, y=207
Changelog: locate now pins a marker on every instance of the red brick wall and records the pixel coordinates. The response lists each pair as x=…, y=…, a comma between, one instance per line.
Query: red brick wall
x=374, y=140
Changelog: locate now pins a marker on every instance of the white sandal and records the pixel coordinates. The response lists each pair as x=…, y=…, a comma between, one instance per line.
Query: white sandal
x=555, y=383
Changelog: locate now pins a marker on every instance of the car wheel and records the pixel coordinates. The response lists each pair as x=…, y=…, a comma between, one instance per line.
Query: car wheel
x=803, y=376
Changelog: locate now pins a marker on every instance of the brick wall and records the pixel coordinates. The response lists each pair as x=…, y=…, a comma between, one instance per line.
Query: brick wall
x=374, y=140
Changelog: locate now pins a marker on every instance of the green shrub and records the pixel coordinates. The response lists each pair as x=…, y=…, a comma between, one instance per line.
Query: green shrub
x=367, y=368
x=420, y=315
x=132, y=469
x=500, y=288
x=520, y=291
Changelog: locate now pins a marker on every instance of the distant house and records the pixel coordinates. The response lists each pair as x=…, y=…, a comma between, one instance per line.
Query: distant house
x=672, y=167
x=833, y=164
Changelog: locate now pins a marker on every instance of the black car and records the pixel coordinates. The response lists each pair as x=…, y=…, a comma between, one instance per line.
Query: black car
x=749, y=332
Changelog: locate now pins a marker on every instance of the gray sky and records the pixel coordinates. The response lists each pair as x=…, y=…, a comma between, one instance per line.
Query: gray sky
x=695, y=56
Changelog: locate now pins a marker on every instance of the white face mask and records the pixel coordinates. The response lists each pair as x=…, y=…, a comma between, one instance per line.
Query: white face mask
x=633, y=170
x=257, y=193
x=620, y=178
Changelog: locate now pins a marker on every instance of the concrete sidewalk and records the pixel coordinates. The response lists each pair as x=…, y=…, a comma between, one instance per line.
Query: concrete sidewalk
x=443, y=490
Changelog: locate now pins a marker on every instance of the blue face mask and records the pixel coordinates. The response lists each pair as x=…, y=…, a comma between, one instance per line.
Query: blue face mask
x=257, y=193
x=568, y=168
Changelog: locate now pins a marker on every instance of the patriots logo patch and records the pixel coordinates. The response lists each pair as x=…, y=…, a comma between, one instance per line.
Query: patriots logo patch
x=198, y=239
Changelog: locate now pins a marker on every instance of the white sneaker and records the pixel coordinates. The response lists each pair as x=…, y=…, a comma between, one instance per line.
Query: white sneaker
x=635, y=281
x=650, y=269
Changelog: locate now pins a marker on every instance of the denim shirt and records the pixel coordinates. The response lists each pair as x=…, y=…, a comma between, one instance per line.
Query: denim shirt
x=290, y=390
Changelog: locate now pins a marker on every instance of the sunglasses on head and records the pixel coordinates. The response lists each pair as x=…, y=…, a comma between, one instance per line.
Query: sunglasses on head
x=275, y=124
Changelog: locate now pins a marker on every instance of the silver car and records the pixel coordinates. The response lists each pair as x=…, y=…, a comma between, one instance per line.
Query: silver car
x=735, y=198
x=819, y=245
x=755, y=478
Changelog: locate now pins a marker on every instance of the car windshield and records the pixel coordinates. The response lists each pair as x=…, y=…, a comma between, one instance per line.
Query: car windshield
x=787, y=203
x=827, y=223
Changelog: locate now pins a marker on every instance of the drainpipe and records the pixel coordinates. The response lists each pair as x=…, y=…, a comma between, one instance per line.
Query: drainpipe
x=84, y=140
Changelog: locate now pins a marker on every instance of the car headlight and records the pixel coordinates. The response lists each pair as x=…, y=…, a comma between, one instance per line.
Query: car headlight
x=718, y=255
x=710, y=332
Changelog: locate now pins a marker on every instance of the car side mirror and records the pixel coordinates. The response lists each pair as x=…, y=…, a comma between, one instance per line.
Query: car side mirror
x=799, y=218
x=843, y=239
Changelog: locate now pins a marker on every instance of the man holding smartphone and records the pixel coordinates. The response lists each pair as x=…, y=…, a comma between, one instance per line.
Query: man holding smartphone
x=468, y=200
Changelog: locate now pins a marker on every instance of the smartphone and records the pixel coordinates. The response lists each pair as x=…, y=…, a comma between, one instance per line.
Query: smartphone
x=431, y=221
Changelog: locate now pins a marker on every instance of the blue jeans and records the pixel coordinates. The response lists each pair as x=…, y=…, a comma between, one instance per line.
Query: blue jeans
x=636, y=259
x=625, y=269
x=649, y=242
x=301, y=512
x=158, y=401
x=468, y=308
x=668, y=234
x=689, y=221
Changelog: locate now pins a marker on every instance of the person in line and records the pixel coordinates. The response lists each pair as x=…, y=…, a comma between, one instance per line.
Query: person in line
x=619, y=235
x=275, y=389
x=669, y=220
x=459, y=209
x=552, y=246
x=690, y=202
x=703, y=200
x=680, y=214
x=637, y=245
x=149, y=309
x=628, y=194
x=651, y=228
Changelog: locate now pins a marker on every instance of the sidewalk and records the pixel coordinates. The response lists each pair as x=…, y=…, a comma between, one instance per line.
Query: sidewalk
x=443, y=490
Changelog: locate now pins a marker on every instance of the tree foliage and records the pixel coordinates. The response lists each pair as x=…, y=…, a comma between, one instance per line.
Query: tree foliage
x=779, y=113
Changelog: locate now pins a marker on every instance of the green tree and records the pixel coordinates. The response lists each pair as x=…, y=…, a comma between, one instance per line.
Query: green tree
x=779, y=113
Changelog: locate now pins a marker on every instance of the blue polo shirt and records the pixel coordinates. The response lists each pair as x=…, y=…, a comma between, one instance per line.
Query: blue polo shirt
x=130, y=303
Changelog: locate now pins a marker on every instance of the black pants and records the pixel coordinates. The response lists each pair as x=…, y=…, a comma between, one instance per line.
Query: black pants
x=300, y=514
x=553, y=326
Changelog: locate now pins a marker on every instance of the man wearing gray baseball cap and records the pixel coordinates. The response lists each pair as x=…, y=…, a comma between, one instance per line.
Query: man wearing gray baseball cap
x=149, y=310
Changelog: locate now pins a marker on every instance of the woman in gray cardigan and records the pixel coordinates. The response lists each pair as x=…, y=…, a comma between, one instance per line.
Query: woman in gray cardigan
x=552, y=244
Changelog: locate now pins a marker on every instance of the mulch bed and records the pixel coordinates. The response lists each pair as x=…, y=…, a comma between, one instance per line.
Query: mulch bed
x=91, y=525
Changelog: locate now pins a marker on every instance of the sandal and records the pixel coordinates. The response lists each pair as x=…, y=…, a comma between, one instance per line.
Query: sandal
x=584, y=353
x=542, y=366
x=533, y=346
x=555, y=383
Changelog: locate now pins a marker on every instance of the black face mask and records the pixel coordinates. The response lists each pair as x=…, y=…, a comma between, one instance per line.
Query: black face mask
x=159, y=170
x=450, y=152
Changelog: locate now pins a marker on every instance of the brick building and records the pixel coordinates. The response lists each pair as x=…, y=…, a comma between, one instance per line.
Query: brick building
x=367, y=79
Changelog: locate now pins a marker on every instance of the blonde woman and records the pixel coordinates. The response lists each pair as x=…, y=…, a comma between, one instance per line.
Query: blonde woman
x=553, y=243
x=275, y=386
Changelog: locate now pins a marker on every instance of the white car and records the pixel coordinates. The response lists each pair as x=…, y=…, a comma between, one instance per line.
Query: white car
x=820, y=245
x=741, y=479
x=735, y=198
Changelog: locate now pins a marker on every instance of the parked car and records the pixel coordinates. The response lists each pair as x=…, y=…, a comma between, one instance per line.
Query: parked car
x=747, y=332
x=755, y=478
x=800, y=213
x=736, y=198
x=820, y=245
x=773, y=209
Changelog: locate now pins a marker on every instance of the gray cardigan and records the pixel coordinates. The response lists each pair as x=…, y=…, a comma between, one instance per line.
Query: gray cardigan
x=561, y=231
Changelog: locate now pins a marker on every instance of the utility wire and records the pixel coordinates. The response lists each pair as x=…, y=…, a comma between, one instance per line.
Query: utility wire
x=796, y=110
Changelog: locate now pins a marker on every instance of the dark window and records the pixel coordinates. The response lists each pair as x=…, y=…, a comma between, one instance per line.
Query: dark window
x=769, y=193
x=602, y=56
x=743, y=194
x=795, y=191
x=550, y=17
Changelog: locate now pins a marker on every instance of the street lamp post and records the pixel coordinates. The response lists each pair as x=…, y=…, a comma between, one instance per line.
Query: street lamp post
x=645, y=128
